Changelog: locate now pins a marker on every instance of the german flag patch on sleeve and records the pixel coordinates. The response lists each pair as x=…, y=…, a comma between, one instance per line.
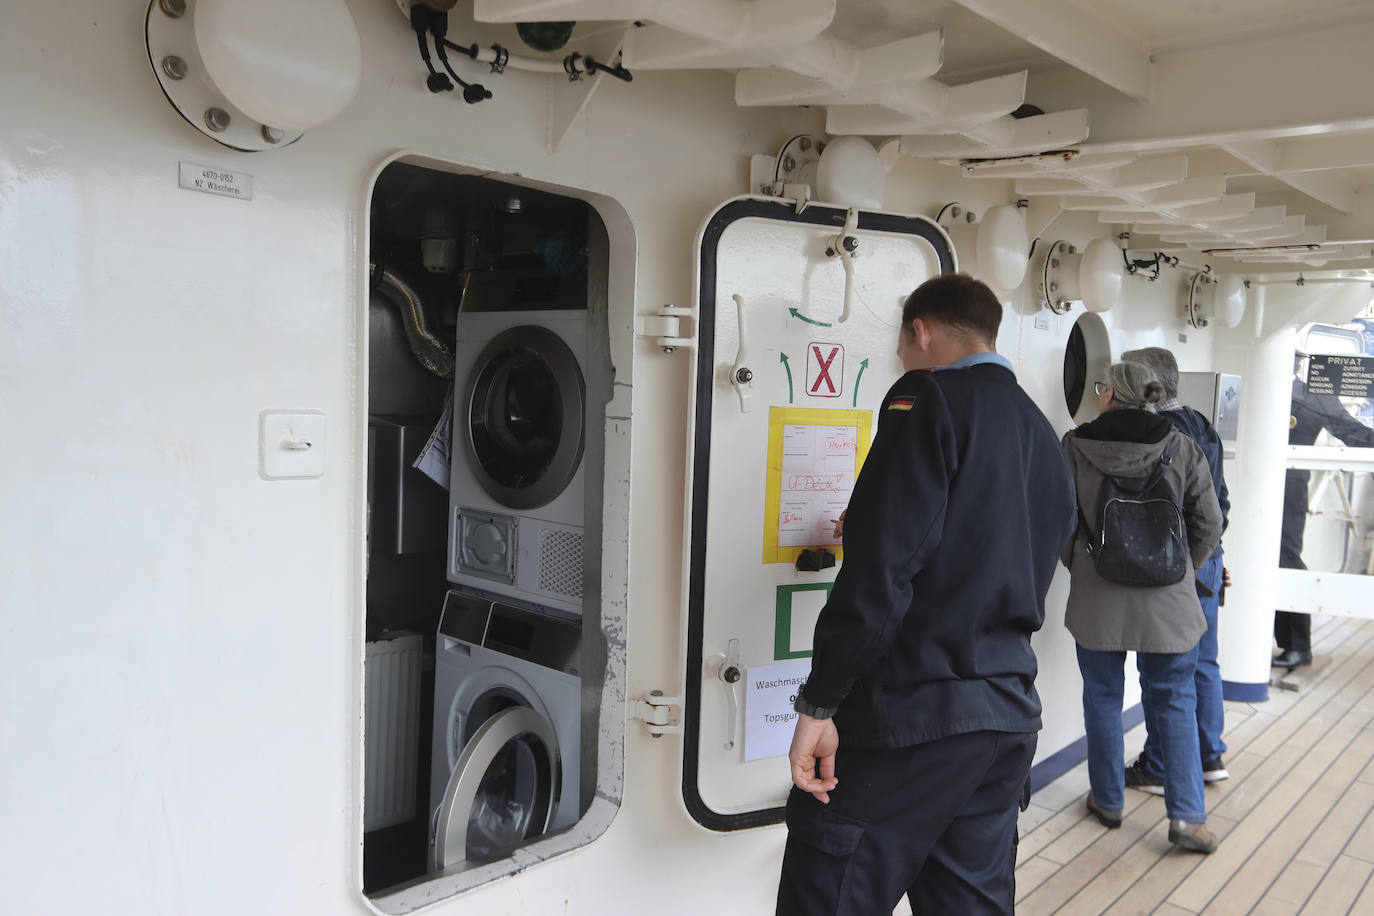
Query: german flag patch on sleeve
x=901, y=403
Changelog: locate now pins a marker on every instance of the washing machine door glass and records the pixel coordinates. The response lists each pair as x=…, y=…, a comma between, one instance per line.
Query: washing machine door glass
x=503, y=791
x=526, y=409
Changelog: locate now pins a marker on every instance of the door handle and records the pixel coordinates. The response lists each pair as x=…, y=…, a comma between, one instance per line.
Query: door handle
x=727, y=669
x=741, y=376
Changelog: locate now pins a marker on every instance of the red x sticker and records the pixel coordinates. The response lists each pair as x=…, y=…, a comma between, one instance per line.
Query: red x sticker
x=824, y=370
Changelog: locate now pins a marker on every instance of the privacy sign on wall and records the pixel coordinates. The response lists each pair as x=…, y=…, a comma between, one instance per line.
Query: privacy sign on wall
x=1343, y=376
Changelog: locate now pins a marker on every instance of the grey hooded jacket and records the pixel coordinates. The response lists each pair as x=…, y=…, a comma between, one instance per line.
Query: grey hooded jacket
x=1104, y=615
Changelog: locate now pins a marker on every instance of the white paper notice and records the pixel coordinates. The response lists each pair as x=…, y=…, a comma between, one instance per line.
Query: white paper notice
x=433, y=460
x=769, y=720
x=817, y=478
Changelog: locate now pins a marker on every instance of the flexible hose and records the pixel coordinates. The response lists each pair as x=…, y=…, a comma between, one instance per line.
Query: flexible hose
x=428, y=350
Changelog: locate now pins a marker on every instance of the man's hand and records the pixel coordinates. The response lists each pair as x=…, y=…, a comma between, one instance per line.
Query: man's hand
x=1225, y=577
x=839, y=525
x=814, y=741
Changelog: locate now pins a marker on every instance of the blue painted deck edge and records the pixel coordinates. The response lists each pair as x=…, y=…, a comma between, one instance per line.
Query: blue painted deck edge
x=1244, y=693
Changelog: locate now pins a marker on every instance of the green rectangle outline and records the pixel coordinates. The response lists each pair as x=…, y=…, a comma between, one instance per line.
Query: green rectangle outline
x=782, y=632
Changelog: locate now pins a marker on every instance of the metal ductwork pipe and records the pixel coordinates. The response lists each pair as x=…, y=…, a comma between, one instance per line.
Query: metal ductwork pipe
x=429, y=351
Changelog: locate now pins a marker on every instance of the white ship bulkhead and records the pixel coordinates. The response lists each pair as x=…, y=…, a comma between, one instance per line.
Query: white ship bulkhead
x=192, y=563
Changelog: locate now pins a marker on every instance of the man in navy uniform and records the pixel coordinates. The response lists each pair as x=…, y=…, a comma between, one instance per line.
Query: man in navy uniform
x=1311, y=413
x=917, y=725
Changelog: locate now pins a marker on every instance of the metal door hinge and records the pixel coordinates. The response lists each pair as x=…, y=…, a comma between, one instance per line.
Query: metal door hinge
x=665, y=326
x=660, y=715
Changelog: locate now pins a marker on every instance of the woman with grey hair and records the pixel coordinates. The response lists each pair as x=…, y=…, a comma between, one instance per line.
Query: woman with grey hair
x=1162, y=624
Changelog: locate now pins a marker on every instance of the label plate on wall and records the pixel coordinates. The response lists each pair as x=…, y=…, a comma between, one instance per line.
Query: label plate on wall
x=209, y=180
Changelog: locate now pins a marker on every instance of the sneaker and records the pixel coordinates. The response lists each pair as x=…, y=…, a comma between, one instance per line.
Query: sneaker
x=1213, y=770
x=1139, y=776
x=1109, y=819
x=1192, y=837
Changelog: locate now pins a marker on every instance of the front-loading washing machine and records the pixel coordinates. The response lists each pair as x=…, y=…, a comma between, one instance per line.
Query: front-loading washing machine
x=507, y=730
x=519, y=427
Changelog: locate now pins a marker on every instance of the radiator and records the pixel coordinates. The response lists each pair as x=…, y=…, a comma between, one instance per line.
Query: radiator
x=392, y=737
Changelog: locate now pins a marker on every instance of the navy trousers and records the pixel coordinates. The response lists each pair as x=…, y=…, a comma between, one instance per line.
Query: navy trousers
x=935, y=821
x=1293, y=630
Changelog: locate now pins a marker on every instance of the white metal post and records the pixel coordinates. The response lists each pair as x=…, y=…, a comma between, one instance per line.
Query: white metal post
x=1255, y=481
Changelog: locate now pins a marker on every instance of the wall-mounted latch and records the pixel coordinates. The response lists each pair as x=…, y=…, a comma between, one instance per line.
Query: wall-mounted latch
x=665, y=327
x=726, y=668
x=661, y=715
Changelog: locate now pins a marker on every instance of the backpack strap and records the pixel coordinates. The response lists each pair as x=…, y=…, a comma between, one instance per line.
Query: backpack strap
x=1166, y=458
x=1083, y=523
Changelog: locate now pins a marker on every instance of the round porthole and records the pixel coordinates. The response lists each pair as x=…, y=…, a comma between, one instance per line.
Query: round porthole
x=1087, y=354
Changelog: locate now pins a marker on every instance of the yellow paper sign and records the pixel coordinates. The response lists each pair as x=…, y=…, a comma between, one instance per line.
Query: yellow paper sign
x=814, y=457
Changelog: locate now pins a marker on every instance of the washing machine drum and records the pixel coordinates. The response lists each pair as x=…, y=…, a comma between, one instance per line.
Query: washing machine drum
x=526, y=412
x=503, y=791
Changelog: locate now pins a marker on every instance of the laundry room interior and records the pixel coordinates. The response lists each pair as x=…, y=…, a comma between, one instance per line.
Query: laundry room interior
x=489, y=373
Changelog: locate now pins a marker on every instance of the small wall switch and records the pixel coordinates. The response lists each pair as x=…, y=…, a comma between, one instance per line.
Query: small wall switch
x=291, y=444
x=1042, y=322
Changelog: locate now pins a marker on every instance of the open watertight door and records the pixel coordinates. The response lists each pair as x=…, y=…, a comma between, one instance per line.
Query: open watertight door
x=792, y=363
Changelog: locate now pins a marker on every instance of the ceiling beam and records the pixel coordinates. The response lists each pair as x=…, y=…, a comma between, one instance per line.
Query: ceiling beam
x=1260, y=220
x=1267, y=156
x=1232, y=206
x=1261, y=89
x=1305, y=154
x=1049, y=166
x=1142, y=175
x=876, y=72
x=1066, y=31
x=1057, y=130
x=926, y=107
x=1183, y=194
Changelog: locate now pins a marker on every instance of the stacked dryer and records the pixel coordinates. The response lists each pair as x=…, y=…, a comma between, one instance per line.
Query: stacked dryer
x=519, y=419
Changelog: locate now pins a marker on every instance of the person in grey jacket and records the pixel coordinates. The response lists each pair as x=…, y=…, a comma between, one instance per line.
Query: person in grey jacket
x=1162, y=625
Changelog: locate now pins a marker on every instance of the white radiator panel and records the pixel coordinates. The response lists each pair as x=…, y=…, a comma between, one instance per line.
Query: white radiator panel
x=392, y=722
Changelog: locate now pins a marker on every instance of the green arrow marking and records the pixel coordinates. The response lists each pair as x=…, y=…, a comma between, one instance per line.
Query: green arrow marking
x=798, y=314
x=788, y=367
x=862, y=366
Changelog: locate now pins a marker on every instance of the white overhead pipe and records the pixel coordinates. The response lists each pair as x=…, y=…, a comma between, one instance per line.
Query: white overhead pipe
x=1302, y=281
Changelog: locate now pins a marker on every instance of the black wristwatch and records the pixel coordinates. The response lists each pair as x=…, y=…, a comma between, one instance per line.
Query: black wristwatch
x=807, y=709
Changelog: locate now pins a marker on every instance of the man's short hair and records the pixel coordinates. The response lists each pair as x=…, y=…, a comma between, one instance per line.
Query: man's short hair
x=957, y=301
x=1162, y=362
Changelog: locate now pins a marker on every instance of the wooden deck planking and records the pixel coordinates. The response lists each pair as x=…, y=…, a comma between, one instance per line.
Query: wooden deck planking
x=1296, y=818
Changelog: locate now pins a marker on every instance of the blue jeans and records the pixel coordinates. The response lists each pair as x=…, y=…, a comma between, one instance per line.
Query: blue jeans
x=1211, y=717
x=1168, y=681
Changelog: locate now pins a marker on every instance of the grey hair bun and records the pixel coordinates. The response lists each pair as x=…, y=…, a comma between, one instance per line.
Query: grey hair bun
x=1133, y=384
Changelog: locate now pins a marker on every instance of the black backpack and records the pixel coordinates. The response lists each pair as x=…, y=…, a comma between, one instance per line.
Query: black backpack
x=1142, y=540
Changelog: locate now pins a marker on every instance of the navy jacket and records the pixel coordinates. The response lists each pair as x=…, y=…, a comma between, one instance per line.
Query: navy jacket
x=1196, y=427
x=1311, y=414
x=950, y=543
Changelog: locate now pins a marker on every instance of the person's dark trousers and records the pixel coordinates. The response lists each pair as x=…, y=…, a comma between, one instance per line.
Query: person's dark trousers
x=936, y=821
x=1292, y=630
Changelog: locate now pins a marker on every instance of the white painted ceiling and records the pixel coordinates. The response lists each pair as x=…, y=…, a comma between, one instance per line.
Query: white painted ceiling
x=1187, y=107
